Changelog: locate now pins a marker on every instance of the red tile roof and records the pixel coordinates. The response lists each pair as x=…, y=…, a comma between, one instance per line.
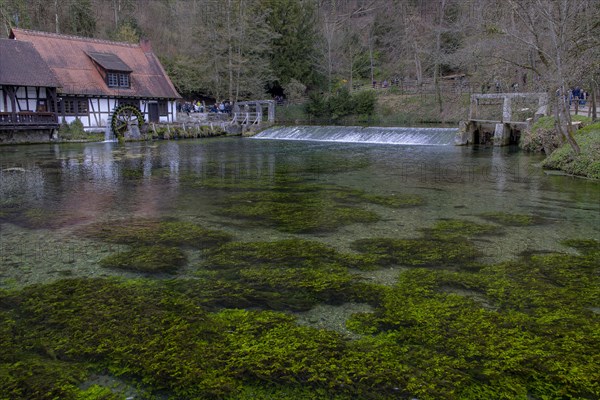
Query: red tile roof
x=67, y=56
x=21, y=65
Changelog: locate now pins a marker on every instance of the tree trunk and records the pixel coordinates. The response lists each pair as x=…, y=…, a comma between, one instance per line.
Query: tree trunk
x=594, y=104
x=418, y=68
x=57, y=28
x=229, y=52
x=371, y=56
x=563, y=122
x=116, y=10
x=438, y=50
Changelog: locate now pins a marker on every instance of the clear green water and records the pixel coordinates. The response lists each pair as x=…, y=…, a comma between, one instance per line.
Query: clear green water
x=49, y=192
x=295, y=270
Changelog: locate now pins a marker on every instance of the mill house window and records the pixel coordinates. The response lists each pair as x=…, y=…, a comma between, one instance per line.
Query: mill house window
x=117, y=79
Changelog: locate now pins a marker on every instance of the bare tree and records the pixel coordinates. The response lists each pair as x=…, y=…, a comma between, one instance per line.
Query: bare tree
x=554, y=31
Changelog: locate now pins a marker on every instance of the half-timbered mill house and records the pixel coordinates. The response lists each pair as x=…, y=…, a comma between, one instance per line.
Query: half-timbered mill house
x=27, y=93
x=100, y=82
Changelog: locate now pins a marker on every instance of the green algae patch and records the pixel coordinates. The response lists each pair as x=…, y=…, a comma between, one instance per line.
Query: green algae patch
x=585, y=246
x=445, y=245
x=295, y=205
x=97, y=392
x=303, y=270
x=245, y=183
x=134, y=329
x=324, y=163
x=175, y=339
x=311, y=208
x=393, y=201
x=513, y=351
x=161, y=339
x=150, y=259
x=289, y=253
x=296, y=212
x=510, y=219
x=448, y=229
x=421, y=252
x=35, y=377
x=155, y=232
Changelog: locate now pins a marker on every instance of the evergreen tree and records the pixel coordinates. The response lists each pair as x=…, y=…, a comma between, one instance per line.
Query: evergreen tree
x=293, y=23
x=82, y=20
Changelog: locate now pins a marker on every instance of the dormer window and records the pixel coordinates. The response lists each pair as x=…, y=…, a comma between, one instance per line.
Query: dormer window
x=115, y=72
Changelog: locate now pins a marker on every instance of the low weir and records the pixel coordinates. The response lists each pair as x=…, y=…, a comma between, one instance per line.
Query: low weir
x=357, y=134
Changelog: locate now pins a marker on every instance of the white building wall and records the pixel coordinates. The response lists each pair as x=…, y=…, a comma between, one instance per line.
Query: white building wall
x=173, y=110
x=100, y=110
x=26, y=99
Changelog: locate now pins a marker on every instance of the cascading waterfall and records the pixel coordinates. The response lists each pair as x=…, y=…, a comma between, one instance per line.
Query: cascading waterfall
x=357, y=134
x=108, y=134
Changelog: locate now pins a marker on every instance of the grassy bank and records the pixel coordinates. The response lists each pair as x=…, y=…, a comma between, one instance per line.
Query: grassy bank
x=392, y=109
x=587, y=163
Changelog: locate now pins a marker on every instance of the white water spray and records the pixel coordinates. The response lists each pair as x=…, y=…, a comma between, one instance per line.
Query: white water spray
x=357, y=134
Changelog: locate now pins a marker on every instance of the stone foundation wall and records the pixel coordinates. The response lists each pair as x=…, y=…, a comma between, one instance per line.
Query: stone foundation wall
x=28, y=136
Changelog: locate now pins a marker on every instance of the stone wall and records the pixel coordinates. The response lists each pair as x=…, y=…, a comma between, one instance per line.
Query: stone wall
x=16, y=136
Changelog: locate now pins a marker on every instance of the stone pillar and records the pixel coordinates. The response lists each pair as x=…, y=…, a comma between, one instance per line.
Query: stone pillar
x=271, y=111
x=473, y=108
x=502, y=135
x=464, y=136
x=258, y=112
x=506, y=109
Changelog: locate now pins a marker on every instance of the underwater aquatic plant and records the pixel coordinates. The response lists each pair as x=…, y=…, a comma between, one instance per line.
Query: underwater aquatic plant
x=511, y=219
x=301, y=270
x=142, y=231
x=147, y=259
x=311, y=208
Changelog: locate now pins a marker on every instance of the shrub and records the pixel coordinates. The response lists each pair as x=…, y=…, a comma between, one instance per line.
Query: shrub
x=364, y=103
x=294, y=91
x=317, y=106
x=342, y=104
x=542, y=137
x=73, y=130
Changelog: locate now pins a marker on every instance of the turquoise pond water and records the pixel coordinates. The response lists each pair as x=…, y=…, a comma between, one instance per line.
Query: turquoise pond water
x=48, y=192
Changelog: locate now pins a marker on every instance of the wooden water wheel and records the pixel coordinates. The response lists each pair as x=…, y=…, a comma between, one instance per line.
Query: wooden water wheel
x=124, y=116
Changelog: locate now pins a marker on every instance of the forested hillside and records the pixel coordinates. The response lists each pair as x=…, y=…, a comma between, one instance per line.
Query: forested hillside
x=237, y=49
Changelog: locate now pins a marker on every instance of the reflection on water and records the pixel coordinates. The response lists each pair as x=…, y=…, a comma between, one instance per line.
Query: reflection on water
x=49, y=192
